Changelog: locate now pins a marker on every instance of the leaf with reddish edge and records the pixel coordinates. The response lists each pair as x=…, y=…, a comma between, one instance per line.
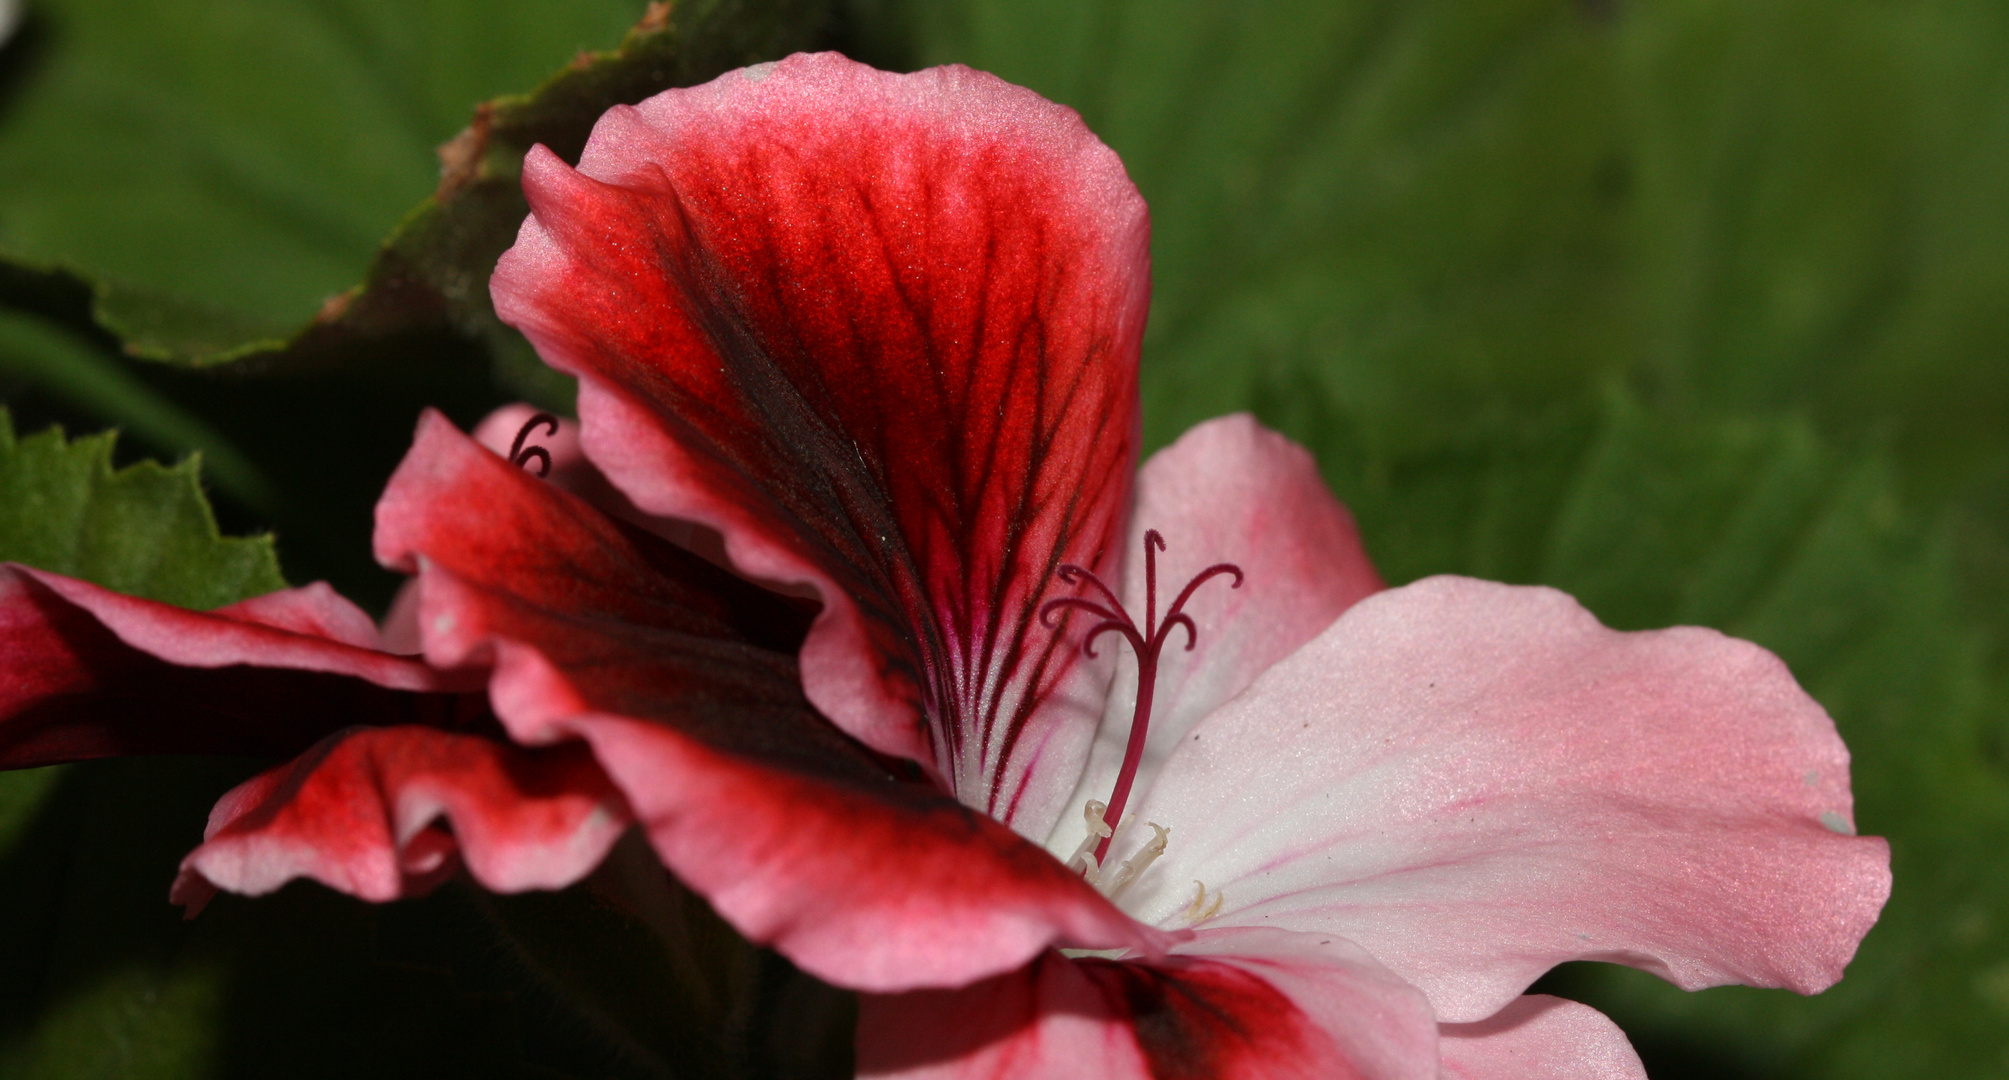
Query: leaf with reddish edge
x=679, y=676
x=360, y=813
x=1479, y=781
x=880, y=331
x=1229, y=1005
x=1229, y=490
x=91, y=673
x=1538, y=1037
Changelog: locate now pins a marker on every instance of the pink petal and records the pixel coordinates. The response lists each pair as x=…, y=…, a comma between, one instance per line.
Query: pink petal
x=1229, y=1005
x=315, y=611
x=307, y=629
x=1230, y=490
x=879, y=331
x=91, y=673
x=670, y=670
x=499, y=431
x=1538, y=1037
x=1478, y=782
x=362, y=813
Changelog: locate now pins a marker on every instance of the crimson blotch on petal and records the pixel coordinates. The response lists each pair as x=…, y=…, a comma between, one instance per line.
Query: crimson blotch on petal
x=680, y=679
x=881, y=332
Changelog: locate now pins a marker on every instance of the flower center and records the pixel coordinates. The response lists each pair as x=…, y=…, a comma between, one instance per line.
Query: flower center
x=1147, y=643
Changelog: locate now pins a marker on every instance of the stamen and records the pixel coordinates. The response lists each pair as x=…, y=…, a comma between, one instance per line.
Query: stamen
x=1091, y=871
x=1199, y=911
x=519, y=453
x=1135, y=866
x=1147, y=643
x=1085, y=854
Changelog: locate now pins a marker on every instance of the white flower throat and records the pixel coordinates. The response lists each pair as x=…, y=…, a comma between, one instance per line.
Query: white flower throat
x=1103, y=819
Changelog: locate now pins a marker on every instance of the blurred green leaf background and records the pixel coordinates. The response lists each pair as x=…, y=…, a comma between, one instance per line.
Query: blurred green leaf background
x=1696, y=309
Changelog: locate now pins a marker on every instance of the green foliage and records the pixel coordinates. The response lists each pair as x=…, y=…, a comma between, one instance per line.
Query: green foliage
x=217, y=174
x=144, y=530
x=42, y=353
x=284, y=141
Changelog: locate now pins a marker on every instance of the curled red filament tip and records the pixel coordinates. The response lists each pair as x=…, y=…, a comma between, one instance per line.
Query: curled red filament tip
x=1146, y=642
x=519, y=453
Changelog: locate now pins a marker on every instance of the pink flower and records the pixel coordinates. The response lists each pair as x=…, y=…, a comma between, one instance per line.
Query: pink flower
x=872, y=339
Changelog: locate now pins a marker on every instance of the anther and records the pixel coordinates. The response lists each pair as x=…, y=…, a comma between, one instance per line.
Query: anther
x=1135, y=866
x=519, y=453
x=1084, y=859
x=1199, y=910
x=1147, y=643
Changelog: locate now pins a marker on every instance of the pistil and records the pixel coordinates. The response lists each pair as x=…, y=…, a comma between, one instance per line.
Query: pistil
x=1147, y=643
x=521, y=456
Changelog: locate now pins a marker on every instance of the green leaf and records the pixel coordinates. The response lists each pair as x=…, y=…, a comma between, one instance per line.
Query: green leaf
x=50, y=358
x=221, y=183
x=435, y=267
x=144, y=530
x=1819, y=220
x=135, y=1022
x=218, y=175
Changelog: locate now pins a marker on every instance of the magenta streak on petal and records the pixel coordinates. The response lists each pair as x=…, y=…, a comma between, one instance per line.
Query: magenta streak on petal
x=1147, y=643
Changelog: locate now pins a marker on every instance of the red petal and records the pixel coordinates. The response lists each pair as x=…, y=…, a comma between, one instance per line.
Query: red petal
x=571, y=472
x=880, y=331
x=362, y=813
x=1538, y=1037
x=1235, y=1005
x=91, y=673
x=668, y=667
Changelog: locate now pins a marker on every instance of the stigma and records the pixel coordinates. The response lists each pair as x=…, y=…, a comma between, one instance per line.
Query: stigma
x=1148, y=642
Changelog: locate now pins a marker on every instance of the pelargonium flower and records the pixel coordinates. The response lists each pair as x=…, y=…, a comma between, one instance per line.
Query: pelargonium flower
x=870, y=342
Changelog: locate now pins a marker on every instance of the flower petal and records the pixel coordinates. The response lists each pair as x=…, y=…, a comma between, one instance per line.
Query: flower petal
x=880, y=331
x=1230, y=490
x=1538, y=1037
x=569, y=470
x=92, y=673
x=1479, y=781
x=678, y=677
x=1229, y=1005
x=361, y=813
